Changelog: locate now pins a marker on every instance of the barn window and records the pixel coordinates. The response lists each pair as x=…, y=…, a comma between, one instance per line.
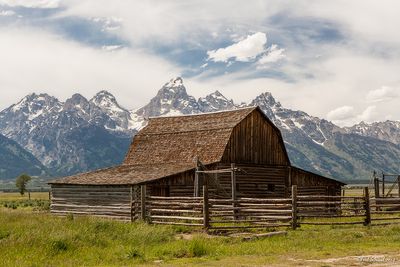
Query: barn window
x=271, y=188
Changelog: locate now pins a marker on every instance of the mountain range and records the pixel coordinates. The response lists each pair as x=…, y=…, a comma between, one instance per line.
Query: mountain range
x=62, y=138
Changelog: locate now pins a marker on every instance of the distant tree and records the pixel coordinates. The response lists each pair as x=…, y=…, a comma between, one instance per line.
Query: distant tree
x=21, y=182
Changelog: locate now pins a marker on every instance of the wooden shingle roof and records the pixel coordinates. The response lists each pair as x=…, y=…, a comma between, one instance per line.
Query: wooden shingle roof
x=181, y=139
x=167, y=146
x=125, y=174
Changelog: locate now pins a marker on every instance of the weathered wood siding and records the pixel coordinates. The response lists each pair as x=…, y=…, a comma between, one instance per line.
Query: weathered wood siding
x=104, y=201
x=252, y=181
x=313, y=184
x=255, y=141
x=181, y=184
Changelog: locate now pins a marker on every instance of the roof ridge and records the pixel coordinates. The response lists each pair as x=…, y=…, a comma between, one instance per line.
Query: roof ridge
x=187, y=131
x=205, y=113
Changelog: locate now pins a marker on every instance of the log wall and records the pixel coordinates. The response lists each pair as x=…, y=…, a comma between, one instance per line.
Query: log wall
x=313, y=184
x=103, y=201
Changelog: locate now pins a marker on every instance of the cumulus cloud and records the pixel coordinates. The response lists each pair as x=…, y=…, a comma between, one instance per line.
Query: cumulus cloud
x=384, y=93
x=368, y=114
x=273, y=54
x=346, y=115
x=31, y=3
x=244, y=50
x=341, y=113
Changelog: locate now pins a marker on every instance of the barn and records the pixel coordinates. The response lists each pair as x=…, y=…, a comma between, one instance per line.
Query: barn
x=237, y=152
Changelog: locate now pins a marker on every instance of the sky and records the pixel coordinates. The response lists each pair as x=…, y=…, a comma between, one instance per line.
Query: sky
x=338, y=59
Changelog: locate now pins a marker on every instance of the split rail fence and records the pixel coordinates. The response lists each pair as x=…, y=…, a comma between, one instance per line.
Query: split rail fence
x=248, y=213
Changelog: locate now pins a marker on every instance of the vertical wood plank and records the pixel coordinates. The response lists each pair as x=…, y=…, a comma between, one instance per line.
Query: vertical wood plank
x=294, y=207
x=233, y=183
x=131, y=204
x=143, y=202
x=206, y=215
x=196, y=183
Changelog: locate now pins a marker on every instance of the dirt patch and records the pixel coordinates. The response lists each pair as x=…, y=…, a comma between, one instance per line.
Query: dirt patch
x=376, y=260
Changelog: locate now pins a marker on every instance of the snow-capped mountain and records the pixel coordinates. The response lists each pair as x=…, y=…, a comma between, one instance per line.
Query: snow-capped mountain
x=79, y=134
x=385, y=130
x=171, y=99
x=49, y=128
x=215, y=102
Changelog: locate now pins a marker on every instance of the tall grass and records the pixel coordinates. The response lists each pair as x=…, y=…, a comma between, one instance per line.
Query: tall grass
x=39, y=239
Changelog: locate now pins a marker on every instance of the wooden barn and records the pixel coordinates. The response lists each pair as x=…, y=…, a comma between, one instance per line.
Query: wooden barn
x=175, y=156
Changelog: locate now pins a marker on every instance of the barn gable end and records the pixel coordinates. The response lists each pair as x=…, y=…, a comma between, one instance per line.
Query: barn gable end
x=256, y=140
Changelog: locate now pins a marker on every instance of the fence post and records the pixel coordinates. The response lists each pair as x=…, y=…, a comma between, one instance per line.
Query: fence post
x=143, y=201
x=367, y=207
x=206, y=215
x=294, y=207
x=376, y=185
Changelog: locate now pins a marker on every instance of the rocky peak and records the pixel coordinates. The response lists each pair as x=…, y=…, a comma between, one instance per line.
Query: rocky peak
x=34, y=102
x=175, y=82
x=385, y=130
x=104, y=98
x=214, y=102
x=76, y=102
x=266, y=99
x=171, y=99
x=268, y=104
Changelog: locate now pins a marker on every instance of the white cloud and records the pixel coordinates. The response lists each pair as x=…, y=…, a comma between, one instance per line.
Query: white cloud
x=36, y=61
x=368, y=114
x=273, y=54
x=244, y=50
x=341, y=113
x=31, y=3
x=7, y=13
x=384, y=93
x=346, y=115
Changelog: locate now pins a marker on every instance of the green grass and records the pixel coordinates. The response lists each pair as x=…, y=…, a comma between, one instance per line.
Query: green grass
x=40, y=239
x=17, y=196
x=39, y=201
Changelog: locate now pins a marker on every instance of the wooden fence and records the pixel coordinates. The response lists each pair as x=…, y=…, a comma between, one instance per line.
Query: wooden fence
x=385, y=210
x=248, y=213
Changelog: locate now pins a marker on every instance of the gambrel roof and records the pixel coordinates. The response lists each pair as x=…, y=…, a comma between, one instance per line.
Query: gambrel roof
x=171, y=145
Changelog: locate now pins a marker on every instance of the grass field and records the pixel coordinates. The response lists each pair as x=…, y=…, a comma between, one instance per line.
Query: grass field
x=17, y=196
x=32, y=237
x=39, y=239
